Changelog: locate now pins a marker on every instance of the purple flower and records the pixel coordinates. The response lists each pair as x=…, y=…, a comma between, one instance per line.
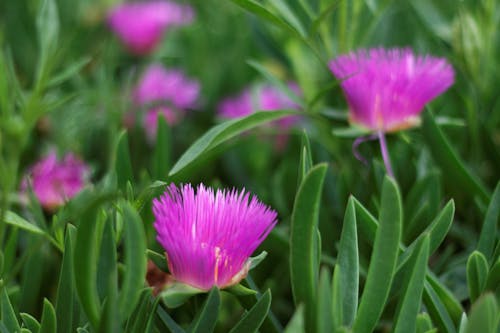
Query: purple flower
x=54, y=182
x=387, y=89
x=141, y=25
x=166, y=91
x=209, y=235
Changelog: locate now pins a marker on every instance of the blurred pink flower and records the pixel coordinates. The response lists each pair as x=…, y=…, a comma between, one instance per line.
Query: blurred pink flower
x=165, y=91
x=54, y=182
x=387, y=89
x=140, y=25
x=264, y=98
x=209, y=235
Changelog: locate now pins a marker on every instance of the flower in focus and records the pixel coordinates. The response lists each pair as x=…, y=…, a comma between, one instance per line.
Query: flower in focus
x=167, y=92
x=140, y=25
x=386, y=90
x=54, y=182
x=209, y=235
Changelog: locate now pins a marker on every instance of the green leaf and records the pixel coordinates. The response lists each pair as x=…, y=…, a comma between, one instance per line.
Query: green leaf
x=348, y=261
x=207, y=317
x=477, y=273
x=17, y=221
x=135, y=261
x=240, y=290
x=223, y=132
x=283, y=87
x=304, y=268
x=85, y=264
x=383, y=260
x=484, y=315
x=123, y=164
x=159, y=260
x=257, y=9
x=411, y=295
x=493, y=281
x=437, y=231
x=65, y=300
x=47, y=24
x=253, y=319
x=167, y=321
x=48, y=323
x=366, y=222
x=162, y=150
x=437, y=311
x=290, y=16
x=451, y=303
x=7, y=314
x=68, y=72
x=143, y=313
x=349, y=132
x=30, y=322
x=305, y=162
x=177, y=294
x=255, y=261
x=149, y=193
x=461, y=179
x=489, y=231
x=337, y=300
x=424, y=322
x=296, y=324
x=325, y=308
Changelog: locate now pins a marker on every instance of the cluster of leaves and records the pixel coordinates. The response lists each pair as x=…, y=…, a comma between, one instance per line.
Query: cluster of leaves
x=362, y=251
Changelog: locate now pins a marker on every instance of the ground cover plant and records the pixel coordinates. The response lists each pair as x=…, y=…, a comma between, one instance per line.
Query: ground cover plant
x=250, y=166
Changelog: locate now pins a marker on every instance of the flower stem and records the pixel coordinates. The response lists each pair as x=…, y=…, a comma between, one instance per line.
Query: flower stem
x=385, y=154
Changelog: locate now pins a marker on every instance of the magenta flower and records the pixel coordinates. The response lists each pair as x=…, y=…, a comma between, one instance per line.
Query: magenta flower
x=165, y=91
x=140, y=25
x=54, y=182
x=387, y=89
x=263, y=98
x=209, y=235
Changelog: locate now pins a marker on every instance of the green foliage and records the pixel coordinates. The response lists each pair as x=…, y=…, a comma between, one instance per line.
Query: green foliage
x=354, y=250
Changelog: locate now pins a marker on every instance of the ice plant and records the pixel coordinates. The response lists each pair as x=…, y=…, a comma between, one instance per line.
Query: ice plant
x=208, y=235
x=387, y=89
x=55, y=181
x=164, y=91
x=262, y=98
x=140, y=25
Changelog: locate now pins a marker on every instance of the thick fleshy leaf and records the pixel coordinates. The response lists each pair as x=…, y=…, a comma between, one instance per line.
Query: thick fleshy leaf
x=167, y=321
x=123, y=164
x=48, y=324
x=256, y=8
x=135, y=261
x=177, y=294
x=457, y=175
x=324, y=313
x=30, y=322
x=305, y=162
x=477, y=273
x=383, y=260
x=337, y=300
x=207, y=317
x=253, y=319
x=348, y=261
x=484, y=315
x=17, y=221
x=7, y=314
x=223, y=132
x=411, y=293
x=65, y=301
x=85, y=264
x=304, y=268
x=489, y=232
x=162, y=151
x=437, y=311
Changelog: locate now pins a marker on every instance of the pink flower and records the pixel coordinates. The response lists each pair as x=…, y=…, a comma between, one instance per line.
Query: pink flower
x=55, y=182
x=263, y=98
x=141, y=25
x=387, y=89
x=166, y=91
x=209, y=235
